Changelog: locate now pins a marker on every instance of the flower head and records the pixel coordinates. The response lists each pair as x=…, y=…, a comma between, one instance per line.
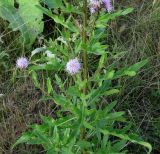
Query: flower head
x=73, y=66
x=22, y=63
x=94, y=5
x=108, y=5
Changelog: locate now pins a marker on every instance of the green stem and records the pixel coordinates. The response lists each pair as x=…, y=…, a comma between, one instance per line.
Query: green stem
x=84, y=39
x=85, y=63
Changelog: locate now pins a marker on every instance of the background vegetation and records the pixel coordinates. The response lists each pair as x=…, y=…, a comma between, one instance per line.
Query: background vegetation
x=137, y=35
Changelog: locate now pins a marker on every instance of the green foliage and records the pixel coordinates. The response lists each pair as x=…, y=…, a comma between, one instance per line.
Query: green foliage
x=62, y=135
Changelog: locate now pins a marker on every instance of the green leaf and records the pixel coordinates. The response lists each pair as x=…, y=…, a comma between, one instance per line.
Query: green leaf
x=48, y=120
x=84, y=144
x=138, y=65
x=60, y=100
x=66, y=135
x=73, y=91
x=115, y=116
x=37, y=50
x=95, y=94
x=56, y=135
x=51, y=150
x=102, y=61
x=49, y=86
x=127, y=11
x=109, y=75
x=23, y=139
x=110, y=106
x=88, y=125
x=41, y=136
x=97, y=48
x=111, y=92
x=59, y=81
x=130, y=71
x=119, y=145
x=128, y=138
x=35, y=80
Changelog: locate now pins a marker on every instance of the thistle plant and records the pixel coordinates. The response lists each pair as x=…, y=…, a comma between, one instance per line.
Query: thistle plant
x=86, y=120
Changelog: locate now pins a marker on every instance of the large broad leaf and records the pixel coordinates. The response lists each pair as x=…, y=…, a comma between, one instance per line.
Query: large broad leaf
x=6, y=2
x=27, y=18
x=7, y=10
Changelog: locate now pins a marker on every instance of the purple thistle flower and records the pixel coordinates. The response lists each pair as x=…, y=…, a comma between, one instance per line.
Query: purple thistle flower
x=92, y=10
x=108, y=5
x=73, y=66
x=94, y=5
x=22, y=63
